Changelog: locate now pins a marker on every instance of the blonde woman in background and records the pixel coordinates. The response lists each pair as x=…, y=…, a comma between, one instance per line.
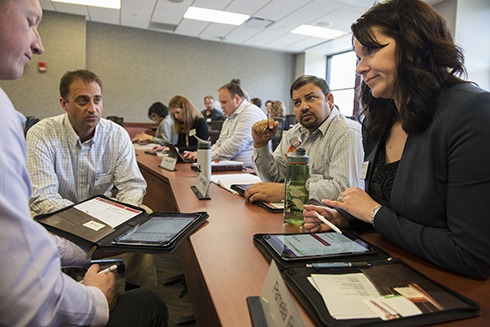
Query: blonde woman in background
x=278, y=109
x=188, y=121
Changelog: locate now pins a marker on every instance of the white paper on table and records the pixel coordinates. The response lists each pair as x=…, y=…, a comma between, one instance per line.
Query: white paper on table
x=402, y=305
x=343, y=294
x=226, y=180
x=312, y=282
x=145, y=147
x=111, y=213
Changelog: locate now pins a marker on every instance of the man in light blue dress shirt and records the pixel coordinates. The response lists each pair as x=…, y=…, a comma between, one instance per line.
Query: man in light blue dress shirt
x=34, y=291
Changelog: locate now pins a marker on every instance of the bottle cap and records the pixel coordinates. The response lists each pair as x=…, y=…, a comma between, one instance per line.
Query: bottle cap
x=204, y=145
x=298, y=157
x=295, y=142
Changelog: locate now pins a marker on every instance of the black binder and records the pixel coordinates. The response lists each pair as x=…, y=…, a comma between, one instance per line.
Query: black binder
x=385, y=272
x=69, y=223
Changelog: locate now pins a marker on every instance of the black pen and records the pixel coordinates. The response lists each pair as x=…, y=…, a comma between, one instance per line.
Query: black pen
x=322, y=265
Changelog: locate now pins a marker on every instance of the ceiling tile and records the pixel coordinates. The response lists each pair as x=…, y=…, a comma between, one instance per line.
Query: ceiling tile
x=46, y=5
x=167, y=16
x=70, y=9
x=104, y=15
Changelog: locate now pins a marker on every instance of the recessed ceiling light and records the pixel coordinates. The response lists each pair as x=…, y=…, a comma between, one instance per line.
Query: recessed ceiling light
x=215, y=16
x=112, y=4
x=315, y=31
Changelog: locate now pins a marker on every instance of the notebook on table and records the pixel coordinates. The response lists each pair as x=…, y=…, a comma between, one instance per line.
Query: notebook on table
x=223, y=165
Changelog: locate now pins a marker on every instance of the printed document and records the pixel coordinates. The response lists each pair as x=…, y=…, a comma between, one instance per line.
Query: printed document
x=343, y=294
x=111, y=213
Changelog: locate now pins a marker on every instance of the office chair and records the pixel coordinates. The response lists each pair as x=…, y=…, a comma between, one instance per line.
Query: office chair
x=180, y=279
x=30, y=121
x=118, y=120
x=290, y=121
x=214, y=129
x=276, y=139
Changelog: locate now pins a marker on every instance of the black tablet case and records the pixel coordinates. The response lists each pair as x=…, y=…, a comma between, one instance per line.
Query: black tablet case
x=384, y=268
x=105, y=242
x=240, y=190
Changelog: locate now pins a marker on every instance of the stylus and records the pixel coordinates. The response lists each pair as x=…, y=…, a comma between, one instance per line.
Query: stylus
x=329, y=224
x=321, y=265
x=112, y=268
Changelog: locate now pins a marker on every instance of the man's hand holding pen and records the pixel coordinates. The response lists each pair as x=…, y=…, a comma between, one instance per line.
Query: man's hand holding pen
x=263, y=131
x=104, y=280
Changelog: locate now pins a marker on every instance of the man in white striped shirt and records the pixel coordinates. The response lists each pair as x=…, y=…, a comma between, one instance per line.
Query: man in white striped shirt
x=235, y=140
x=332, y=141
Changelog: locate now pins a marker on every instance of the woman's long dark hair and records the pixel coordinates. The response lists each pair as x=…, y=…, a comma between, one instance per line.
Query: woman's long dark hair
x=427, y=61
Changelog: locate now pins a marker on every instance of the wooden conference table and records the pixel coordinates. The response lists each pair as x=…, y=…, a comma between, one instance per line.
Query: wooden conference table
x=222, y=266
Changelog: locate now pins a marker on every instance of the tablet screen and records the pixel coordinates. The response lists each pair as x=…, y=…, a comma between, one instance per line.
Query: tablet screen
x=317, y=245
x=159, y=230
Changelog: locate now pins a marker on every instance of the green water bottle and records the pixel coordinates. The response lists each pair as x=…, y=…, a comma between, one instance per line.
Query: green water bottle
x=296, y=192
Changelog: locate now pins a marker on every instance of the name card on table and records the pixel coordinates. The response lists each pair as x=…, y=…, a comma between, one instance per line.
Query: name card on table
x=201, y=187
x=168, y=163
x=274, y=307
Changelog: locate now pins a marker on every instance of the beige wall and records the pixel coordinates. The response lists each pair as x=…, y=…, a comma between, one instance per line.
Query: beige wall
x=138, y=67
x=35, y=93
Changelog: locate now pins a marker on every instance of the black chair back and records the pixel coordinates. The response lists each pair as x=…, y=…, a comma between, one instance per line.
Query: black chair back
x=276, y=139
x=30, y=121
x=214, y=129
x=290, y=121
x=118, y=120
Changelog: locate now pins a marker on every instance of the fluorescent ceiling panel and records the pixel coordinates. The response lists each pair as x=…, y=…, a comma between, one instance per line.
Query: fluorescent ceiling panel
x=112, y=4
x=215, y=16
x=321, y=32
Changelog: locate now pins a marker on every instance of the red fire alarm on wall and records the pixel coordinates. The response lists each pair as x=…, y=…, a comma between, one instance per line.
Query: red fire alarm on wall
x=41, y=67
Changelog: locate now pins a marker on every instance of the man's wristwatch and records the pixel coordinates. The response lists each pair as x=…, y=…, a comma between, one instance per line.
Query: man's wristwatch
x=374, y=212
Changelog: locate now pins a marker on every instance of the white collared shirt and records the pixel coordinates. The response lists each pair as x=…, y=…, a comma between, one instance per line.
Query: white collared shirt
x=235, y=141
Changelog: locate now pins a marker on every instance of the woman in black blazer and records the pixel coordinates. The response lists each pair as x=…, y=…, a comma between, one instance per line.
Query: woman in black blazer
x=428, y=178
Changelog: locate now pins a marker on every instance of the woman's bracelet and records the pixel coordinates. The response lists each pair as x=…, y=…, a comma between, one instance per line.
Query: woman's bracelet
x=374, y=212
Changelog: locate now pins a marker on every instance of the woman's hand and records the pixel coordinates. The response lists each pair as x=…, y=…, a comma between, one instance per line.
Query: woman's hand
x=313, y=224
x=356, y=202
x=160, y=148
x=190, y=155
